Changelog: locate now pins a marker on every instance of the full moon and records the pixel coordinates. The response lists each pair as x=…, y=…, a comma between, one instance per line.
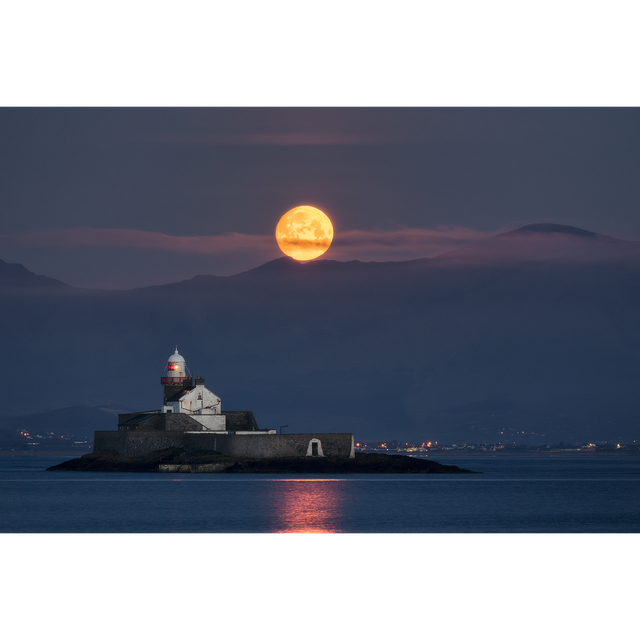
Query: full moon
x=304, y=233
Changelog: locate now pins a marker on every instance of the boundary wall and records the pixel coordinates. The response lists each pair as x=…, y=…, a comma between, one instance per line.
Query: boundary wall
x=250, y=445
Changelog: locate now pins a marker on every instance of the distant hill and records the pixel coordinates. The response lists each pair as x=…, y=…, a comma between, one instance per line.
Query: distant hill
x=530, y=336
x=16, y=276
x=547, y=241
x=548, y=227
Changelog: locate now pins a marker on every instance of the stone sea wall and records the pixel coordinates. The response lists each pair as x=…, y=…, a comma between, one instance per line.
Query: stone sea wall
x=251, y=445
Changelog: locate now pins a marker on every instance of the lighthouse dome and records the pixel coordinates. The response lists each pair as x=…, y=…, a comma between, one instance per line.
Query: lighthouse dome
x=176, y=357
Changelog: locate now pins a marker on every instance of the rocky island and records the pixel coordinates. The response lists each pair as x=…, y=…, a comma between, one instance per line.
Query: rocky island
x=191, y=433
x=178, y=460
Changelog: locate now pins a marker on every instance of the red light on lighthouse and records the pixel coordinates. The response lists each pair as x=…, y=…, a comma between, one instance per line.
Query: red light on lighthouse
x=176, y=371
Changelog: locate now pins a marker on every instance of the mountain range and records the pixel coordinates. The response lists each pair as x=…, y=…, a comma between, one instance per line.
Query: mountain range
x=529, y=336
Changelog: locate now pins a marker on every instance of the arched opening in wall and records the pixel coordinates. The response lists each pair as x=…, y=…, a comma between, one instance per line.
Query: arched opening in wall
x=315, y=448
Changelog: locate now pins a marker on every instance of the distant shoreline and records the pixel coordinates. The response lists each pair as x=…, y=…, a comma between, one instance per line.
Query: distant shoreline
x=431, y=456
x=40, y=454
x=539, y=454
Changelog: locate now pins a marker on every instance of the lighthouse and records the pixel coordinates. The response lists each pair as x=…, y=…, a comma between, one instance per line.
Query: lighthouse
x=176, y=370
x=196, y=401
x=191, y=417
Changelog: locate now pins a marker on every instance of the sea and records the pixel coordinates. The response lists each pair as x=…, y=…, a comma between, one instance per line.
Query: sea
x=508, y=495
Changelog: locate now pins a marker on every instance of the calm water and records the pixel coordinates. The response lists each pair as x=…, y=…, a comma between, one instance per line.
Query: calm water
x=513, y=494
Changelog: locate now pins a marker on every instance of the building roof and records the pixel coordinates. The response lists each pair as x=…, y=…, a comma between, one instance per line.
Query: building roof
x=176, y=357
x=178, y=394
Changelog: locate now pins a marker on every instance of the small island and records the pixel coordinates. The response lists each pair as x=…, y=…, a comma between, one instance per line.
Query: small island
x=191, y=419
x=191, y=433
x=178, y=460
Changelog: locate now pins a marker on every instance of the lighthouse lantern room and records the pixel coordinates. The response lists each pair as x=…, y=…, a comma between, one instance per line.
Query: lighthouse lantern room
x=176, y=371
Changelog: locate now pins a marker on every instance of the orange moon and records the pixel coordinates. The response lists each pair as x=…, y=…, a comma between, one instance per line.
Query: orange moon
x=304, y=233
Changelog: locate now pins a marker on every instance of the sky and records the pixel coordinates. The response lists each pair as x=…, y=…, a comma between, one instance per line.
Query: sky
x=128, y=197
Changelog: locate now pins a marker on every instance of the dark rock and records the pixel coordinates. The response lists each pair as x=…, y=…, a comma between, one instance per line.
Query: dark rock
x=362, y=463
x=113, y=461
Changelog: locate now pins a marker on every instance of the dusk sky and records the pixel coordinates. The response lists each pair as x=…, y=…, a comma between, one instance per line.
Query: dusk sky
x=130, y=197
